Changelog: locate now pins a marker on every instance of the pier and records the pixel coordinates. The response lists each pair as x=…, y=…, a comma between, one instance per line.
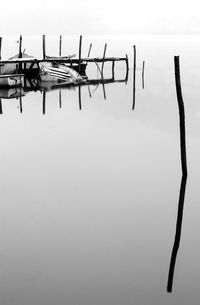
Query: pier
x=30, y=65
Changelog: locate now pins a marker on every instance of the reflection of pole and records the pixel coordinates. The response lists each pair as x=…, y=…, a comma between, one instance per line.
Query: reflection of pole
x=184, y=175
x=134, y=68
x=1, y=110
x=20, y=104
x=90, y=94
x=143, y=64
x=104, y=90
x=79, y=96
x=60, y=99
x=44, y=103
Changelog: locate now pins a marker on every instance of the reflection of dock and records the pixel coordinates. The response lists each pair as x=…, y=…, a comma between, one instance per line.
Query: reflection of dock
x=45, y=87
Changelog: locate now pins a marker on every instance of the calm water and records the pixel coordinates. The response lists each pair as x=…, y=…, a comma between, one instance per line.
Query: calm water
x=89, y=197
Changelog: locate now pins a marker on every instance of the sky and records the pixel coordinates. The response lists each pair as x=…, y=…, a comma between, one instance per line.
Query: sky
x=100, y=17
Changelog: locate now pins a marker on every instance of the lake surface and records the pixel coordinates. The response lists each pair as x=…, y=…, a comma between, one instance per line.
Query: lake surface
x=90, y=187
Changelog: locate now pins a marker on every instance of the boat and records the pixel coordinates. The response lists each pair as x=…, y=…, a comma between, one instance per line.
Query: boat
x=55, y=72
x=11, y=80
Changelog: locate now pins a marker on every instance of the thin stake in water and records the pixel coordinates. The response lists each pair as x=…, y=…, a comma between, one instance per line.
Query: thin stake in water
x=184, y=175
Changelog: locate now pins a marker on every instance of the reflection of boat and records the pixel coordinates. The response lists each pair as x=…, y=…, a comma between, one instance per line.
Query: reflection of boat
x=59, y=73
x=11, y=80
x=10, y=93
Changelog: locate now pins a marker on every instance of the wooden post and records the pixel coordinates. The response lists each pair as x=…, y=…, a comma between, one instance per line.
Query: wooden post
x=20, y=46
x=113, y=69
x=0, y=46
x=184, y=175
x=143, y=64
x=104, y=54
x=79, y=57
x=20, y=54
x=60, y=45
x=134, y=69
x=89, y=51
x=127, y=65
x=44, y=46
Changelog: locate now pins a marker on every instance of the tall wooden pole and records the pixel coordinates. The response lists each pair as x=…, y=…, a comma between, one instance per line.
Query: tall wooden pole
x=79, y=56
x=89, y=51
x=60, y=45
x=104, y=54
x=44, y=46
x=184, y=175
x=20, y=46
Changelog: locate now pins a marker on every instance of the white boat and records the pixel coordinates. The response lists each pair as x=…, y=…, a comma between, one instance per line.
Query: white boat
x=11, y=80
x=58, y=73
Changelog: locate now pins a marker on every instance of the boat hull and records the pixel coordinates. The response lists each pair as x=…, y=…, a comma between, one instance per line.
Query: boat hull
x=11, y=80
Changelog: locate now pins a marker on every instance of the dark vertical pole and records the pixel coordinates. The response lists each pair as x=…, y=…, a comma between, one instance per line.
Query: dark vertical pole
x=20, y=53
x=104, y=90
x=1, y=110
x=90, y=94
x=113, y=69
x=89, y=51
x=127, y=65
x=44, y=46
x=0, y=46
x=20, y=46
x=44, y=103
x=60, y=45
x=79, y=96
x=20, y=104
x=143, y=65
x=103, y=60
x=181, y=115
x=79, y=56
x=184, y=174
x=60, y=99
x=134, y=69
x=127, y=70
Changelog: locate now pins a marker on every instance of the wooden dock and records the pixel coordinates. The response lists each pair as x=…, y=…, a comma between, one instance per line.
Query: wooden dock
x=30, y=66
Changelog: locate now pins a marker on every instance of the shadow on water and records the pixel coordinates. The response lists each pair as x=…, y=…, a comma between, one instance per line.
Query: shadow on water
x=184, y=175
x=134, y=75
x=45, y=87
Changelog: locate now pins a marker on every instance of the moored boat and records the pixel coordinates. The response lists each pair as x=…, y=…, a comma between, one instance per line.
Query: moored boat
x=59, y=73
x=11, y=80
